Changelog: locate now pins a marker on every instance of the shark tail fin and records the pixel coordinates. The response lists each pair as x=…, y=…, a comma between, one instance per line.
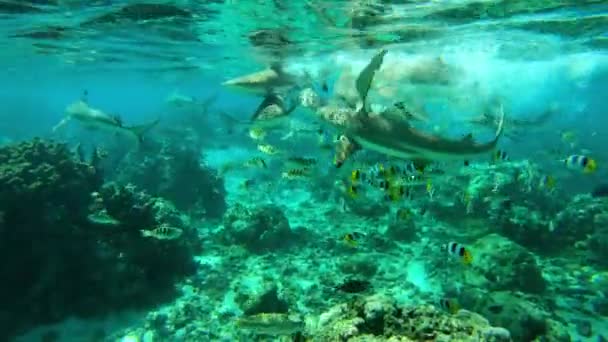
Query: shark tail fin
x=277, y=66
x=141, y=130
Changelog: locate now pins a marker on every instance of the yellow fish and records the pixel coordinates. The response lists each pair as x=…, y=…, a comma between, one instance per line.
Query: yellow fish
x=353, y=191
x=352, y=239
x=547, y=182
x=458, y=251
x=394, y=193
x=449, y=305
x=257, y=133
x=500, y=155
x=582, y=163
x=256, y=162
x=429, y=186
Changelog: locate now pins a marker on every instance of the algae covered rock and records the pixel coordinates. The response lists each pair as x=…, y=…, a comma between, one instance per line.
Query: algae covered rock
x=525, y=319
x=507, y=265
x=268, y=302
x=576, y=221
x=358, y=266
x=259, y=229
x=598, y=241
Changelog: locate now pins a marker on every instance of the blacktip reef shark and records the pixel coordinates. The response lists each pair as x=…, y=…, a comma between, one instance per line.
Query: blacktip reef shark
x=263, y=82
x=275, y=85
x=397, y=138
x=93, y=118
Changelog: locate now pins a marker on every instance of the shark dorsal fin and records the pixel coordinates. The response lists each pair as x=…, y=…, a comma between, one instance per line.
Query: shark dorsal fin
x=118, y=119
x=364, y=81
x=277, y=67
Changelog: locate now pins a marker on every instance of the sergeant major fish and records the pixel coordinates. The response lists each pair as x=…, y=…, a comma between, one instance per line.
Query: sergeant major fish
x=293, y=174
x=267, y=149
x=163, y=232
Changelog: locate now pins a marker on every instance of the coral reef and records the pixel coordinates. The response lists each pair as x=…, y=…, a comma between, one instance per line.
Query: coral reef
x=69, y=263
x=144, y=258
x=378, y=318
x=512, y=196
x=175, y=172
x=597, y=241
x=35, y=175
x=373, y=318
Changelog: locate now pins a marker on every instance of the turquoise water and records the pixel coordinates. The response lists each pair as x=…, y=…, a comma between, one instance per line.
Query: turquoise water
x=160, y=136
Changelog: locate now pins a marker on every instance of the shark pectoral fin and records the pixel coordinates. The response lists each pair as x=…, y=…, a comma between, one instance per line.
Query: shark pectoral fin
x=269, y=99
x=140, y=130
x=61, y=123
x=501, y=122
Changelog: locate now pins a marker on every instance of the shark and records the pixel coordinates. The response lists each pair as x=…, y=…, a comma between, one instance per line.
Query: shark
x=395, y=137
x=96, y=119
x=266, y=81
x=400, y=140
x=278, y=88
